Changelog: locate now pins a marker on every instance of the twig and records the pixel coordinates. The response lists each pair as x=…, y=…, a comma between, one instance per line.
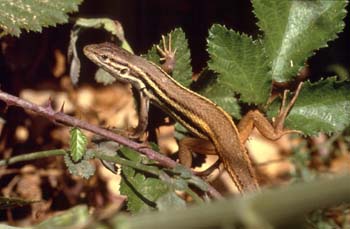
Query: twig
x=60, y=152
x=32, y=156
x=56, y=116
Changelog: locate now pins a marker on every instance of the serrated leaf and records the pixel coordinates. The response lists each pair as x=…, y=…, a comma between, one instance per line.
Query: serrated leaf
x=32, y=15
x=130, y=154
x=183, y=70
x=78, y=143
x=241, y=64
x=323, y=106
x=142, y=190
x=293, y=30
x=170, y=201
x=83, y=168
x=218, y=93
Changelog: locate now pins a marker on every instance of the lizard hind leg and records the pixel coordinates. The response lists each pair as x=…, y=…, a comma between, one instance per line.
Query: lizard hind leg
x=273, y=131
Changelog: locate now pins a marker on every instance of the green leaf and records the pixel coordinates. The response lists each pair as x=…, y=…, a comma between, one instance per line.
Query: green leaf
x=78, y=143
x=241, y=64
x=112, y=26
x=301, y=161
x=170, y=201
x=83, y=168
x=198, y=182
x=32, y=15
x=75, y=217
x=182, y=72
x=182, y=171
x=293, y=30
x=72, y=56
x=142, y=190
x=323, y=106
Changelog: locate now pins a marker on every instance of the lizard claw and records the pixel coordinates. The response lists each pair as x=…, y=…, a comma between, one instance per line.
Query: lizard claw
x=167, y=54
x=284, y=110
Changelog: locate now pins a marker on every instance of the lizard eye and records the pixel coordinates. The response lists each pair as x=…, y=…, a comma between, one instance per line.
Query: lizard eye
x=124, y=71
x=104, y=57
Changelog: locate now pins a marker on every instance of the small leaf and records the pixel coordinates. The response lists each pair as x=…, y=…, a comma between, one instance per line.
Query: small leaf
x=180, y=184
x=183, y=70
x=112, y=26
x=294, y=29
x=323, y=106
x=73, y=58
x=142, y=190
x=108, y=148
x=198, y=182
x=83, y=168
x=78, y=143
x=170, y=201
x=32, y=15
x=241, y=64
x=301, y=160
x=183, y=171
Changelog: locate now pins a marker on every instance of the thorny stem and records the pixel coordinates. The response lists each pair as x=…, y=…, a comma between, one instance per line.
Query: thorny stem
x=56, y=116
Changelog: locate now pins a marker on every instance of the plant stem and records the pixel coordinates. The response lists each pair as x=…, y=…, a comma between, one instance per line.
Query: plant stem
x=121, y=161
x=32, y=156
x=56, y=116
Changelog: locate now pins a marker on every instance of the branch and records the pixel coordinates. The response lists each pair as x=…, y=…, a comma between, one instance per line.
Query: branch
x=56, y=116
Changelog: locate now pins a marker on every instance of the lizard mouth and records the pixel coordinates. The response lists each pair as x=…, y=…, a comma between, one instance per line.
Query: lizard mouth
x=90, y=53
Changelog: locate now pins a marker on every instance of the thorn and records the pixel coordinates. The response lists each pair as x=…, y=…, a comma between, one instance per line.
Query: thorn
x=62, y=107
x=48, y=104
